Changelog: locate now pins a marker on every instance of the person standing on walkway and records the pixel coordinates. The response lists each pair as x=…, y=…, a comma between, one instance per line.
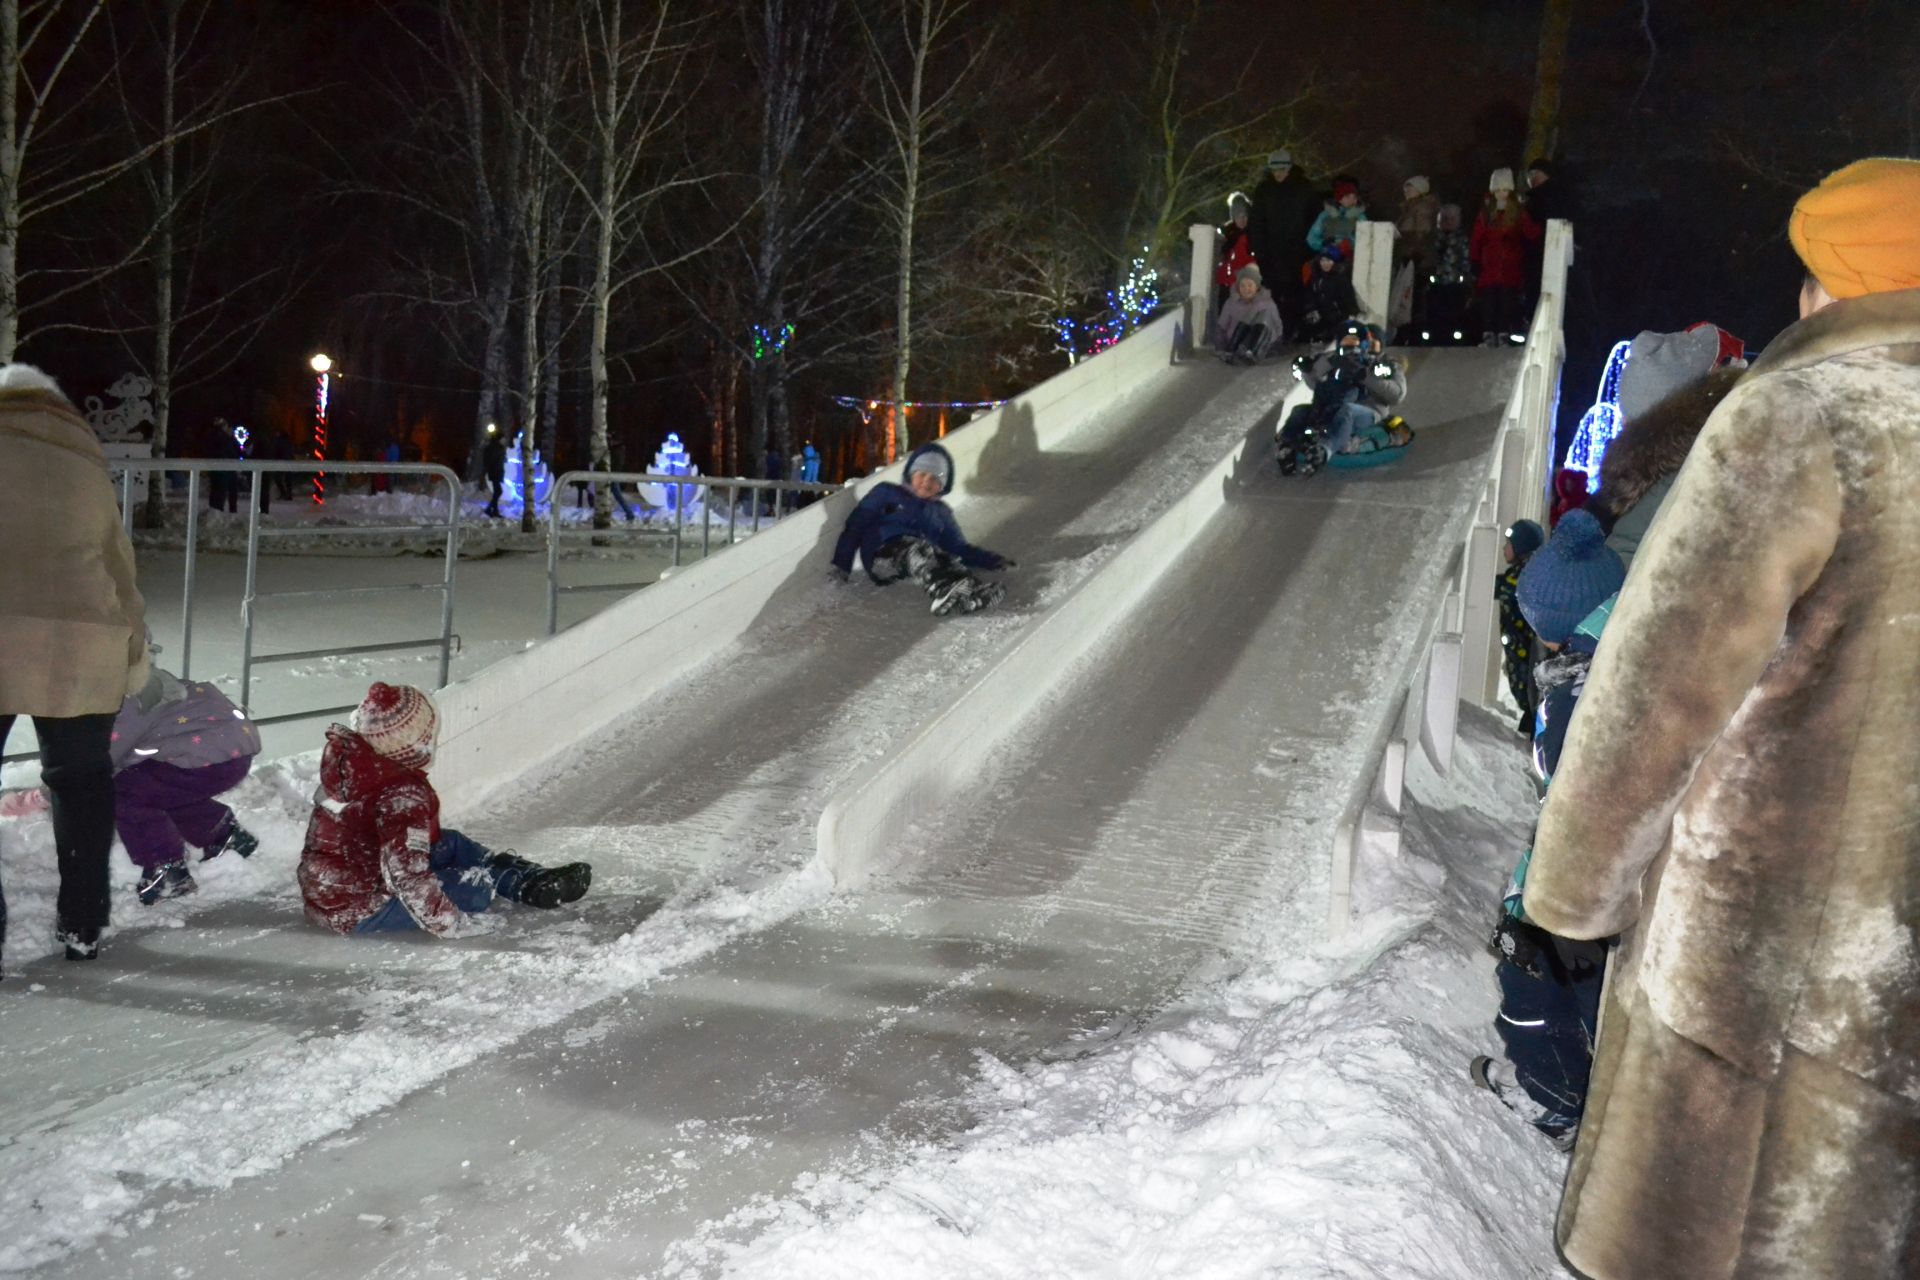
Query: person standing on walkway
x=72, y=631
x=1737, y=798
x=493, y=465
x=1284, y=207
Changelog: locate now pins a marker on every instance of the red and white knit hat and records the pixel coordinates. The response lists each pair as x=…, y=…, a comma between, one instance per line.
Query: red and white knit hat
x=399, y=722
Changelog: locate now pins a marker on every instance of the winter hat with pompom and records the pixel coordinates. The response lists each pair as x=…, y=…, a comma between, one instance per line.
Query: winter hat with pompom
x=1502, y=180
x=1569, y=577
x=399, y=722
x=1858, y=232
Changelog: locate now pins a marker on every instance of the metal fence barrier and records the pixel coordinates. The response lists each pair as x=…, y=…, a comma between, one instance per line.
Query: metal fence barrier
x=732, y=485
x=449, y=529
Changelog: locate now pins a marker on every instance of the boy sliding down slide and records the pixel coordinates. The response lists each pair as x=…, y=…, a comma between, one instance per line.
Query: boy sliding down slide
x=376, y=858
x=1354, y=383
x=906, y=531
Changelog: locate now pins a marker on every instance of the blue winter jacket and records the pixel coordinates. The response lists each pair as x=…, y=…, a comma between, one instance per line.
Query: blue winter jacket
x=892, y=511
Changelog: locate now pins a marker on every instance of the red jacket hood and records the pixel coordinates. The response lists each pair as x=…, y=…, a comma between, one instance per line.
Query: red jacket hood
x=350, y=769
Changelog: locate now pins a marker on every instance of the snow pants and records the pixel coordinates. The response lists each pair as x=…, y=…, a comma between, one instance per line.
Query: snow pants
x=160, y=809
x=77, y=771
x=1348, y=420
x=1548, y=1027
x=1502, y=310
x=920, y=560
x=1250, y=340
x=461, y=866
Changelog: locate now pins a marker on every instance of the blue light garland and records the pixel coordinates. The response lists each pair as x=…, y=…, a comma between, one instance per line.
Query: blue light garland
x=1600, y=424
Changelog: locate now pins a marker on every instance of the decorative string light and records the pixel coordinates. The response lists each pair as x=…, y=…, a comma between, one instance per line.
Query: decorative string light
x=320, y=365
x=768, y=343
x=1128, y=307
x=866, y=408
x=1600, y=424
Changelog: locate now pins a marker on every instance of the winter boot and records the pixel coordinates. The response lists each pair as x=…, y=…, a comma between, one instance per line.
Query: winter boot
x=530, y=884
x=238, y=840
x=80, y=944
x=1498, y=1078
x=965, y=593
x=168, y=880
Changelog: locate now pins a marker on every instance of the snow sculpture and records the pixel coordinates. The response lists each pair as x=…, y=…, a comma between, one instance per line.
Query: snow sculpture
x=511, y=487
x=120, y=423
x=672, y=460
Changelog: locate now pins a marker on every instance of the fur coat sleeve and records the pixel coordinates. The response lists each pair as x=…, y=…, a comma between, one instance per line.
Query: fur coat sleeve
x=1699, y=618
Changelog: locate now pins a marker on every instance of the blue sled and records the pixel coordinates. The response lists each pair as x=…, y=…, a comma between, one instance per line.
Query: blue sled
x=1361, y=461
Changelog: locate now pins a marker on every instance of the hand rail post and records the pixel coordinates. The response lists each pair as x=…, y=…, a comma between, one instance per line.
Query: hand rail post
x=186, y=591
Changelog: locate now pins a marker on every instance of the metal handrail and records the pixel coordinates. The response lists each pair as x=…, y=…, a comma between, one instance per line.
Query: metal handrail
x=449, y=528
x=732, y=484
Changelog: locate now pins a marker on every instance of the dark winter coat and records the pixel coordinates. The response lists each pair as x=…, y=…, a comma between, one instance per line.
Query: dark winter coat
x=1499, y=247
x=1330, y=298
x=493, y=460
x=1638, y=469
x=892, y=511
x=1277, y=227
x=1377, y=390
x=1738, y=795
x=1452, y=258
x=1236, y=251
x=1560, y=680
x=370, y=840
x=188, y=726
x=1516, y=636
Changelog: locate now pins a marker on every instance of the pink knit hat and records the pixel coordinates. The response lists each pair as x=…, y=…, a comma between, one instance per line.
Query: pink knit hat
x=399, y=722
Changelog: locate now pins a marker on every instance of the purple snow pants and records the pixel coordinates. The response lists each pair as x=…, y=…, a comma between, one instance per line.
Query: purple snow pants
x=159, y=809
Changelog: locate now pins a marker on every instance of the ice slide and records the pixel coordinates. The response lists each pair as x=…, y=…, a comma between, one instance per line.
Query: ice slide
x=247, y=1096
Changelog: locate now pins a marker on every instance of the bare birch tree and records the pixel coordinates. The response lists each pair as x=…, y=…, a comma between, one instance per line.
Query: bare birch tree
x=920, y=120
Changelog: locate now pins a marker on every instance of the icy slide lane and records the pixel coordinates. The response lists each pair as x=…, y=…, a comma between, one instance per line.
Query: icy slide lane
x=245, y=1069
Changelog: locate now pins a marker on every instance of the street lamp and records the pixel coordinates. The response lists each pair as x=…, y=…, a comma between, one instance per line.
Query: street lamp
x=321, y=365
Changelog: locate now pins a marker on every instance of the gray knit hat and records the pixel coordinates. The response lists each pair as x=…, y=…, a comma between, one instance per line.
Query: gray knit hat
x=1659, y=364
x=1280, y=159
x=932, y=460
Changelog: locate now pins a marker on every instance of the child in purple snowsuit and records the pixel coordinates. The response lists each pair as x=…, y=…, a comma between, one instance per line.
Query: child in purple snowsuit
x=175, y=747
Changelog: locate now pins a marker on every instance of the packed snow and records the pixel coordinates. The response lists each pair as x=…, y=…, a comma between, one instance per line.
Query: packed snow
x=715, y=1066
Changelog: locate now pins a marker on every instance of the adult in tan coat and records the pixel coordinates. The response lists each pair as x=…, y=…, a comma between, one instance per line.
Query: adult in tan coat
x=1740, y=800
x=72, y=630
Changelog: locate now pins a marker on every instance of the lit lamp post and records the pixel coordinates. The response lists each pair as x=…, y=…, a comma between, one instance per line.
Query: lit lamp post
x=320, y=364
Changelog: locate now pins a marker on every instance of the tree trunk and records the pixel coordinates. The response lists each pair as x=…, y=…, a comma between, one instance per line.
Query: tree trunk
x=493, y=368
x=534, y=241
x=164, y=189
x=898, y=437
x=9, y=179
x=550, y=363
x=1543, y=119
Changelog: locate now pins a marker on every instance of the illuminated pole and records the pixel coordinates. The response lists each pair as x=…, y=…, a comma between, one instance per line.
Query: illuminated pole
x=320, y=365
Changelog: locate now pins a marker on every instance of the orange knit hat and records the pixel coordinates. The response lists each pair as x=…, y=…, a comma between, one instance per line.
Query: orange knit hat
x=1859, y=231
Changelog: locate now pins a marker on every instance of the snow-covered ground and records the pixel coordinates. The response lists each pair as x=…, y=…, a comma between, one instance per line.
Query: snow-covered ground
x=1306, y=1116
x=1116, y=1050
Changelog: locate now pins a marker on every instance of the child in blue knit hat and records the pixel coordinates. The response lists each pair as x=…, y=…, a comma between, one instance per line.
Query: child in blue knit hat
x=1550, y=986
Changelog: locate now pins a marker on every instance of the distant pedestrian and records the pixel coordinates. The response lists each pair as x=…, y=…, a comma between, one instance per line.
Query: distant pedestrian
x=223, y=487
x=493, y=465
x=1338, y=224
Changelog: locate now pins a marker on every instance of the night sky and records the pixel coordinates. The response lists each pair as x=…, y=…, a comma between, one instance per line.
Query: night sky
x=1686, y=140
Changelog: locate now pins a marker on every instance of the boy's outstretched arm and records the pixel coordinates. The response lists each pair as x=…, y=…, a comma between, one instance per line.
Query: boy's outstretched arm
x=856, y=527
x=403, y=822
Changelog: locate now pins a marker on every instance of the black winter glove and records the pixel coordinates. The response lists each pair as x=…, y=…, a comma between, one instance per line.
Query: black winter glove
x=1007, y=562
x=836, y=575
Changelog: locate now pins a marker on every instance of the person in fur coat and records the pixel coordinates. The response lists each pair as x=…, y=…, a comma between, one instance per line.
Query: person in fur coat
x=1737, y=799
x=73, y=635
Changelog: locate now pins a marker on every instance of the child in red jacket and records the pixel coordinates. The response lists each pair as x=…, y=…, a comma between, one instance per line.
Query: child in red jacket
x=376, y=858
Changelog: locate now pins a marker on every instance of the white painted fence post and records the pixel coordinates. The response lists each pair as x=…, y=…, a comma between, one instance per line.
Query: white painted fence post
x=1479, y=628
x=1373, y=270
x=1206, y=253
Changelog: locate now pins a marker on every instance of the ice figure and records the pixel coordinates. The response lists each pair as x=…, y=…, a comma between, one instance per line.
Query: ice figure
x=542, y=478
x=672, y=460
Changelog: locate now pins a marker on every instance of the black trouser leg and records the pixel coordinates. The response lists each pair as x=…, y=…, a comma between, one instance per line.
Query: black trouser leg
x=77, y=773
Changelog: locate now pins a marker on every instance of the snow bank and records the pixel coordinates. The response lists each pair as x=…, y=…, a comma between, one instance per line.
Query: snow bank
x=1310, y=1116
